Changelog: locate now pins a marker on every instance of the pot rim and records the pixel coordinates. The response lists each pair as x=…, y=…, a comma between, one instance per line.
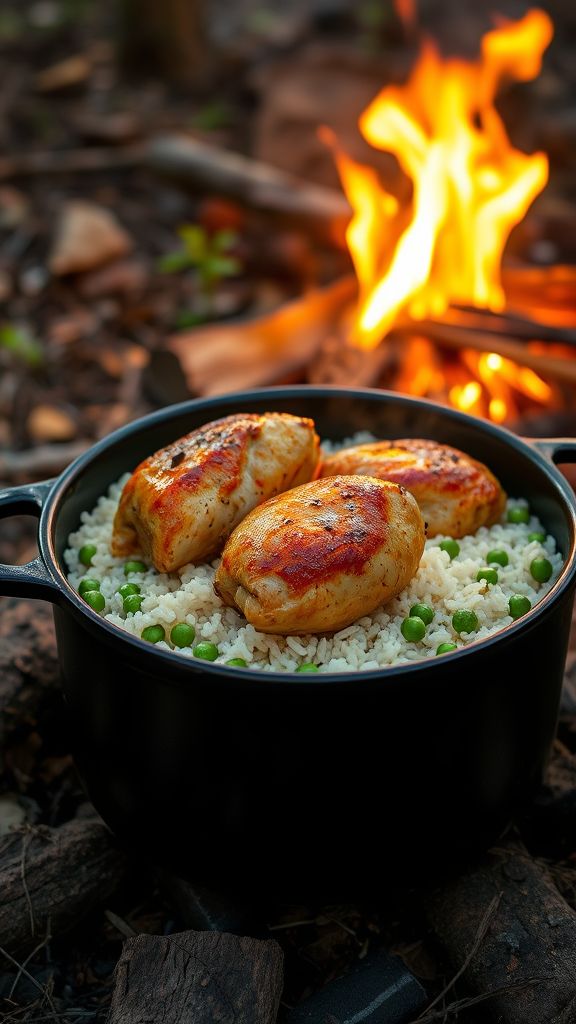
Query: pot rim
x=179, y=663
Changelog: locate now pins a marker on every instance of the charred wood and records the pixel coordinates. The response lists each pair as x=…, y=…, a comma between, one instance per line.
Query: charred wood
x=197, y=978
x=50, y=878
x=529, y=947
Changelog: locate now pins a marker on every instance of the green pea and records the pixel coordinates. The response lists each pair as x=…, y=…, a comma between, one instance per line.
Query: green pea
x=518, y=605
x=88, y=584
x=128, y=588
x=206, y=651
x=182, y=634
x=237, y=662
x=497, y=556
x=307, y=667
x=134, y=567
x=518, y=515
x=465, y=621
x=422, y=611
x=86, y=553
x=153, y=633
x=540, y=537
x=540, y=569
x=446, y=648
x=490, y=575
x=132, y=603
x=451, y=546
x=95, y=599
x=413, y=629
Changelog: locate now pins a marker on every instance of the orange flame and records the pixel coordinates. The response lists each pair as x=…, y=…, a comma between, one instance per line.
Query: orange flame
x=470, y=187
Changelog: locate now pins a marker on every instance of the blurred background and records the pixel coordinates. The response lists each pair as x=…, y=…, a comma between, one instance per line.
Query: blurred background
x=125, y=228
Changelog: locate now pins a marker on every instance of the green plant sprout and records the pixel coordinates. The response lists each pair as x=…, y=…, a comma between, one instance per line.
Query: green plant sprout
x=208, y=255
x=22, y=345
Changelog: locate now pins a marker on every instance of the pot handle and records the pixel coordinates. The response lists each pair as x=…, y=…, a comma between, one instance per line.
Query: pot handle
x=32, y=579
x=555, y=449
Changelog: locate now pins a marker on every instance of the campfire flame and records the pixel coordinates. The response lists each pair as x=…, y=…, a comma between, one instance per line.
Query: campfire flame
x=470, y=188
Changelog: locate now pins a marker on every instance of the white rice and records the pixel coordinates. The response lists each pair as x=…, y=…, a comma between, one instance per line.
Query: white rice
x=372, y=642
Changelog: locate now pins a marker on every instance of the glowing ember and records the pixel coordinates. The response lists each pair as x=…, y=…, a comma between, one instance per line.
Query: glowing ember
x=470, y=188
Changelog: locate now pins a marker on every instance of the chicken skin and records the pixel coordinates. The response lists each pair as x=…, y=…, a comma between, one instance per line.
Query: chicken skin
x=182, y=503
x=318, y=557
x=456, y=494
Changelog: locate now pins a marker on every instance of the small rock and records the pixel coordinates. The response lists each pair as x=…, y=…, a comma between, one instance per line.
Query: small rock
x=50, y=423
x=33, y=280
x=66, y=73
x=87, y=237
x=124, y=277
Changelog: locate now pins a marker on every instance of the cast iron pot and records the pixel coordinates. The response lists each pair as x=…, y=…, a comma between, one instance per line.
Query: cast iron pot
x=293, y=783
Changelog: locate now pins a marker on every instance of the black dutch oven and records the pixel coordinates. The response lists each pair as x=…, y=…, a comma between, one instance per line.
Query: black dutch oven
x=288, y=783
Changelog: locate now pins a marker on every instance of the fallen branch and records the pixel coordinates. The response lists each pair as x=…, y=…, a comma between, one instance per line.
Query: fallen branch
x=249, y=181
x=56, y=873
x=69, y=161
x=532, y=935
x=42, y=461
x=197, y=978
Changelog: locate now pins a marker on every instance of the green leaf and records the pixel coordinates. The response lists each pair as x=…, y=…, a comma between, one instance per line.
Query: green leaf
x=172, y=262
x=196, y=242
x=224, y=240
x=212, y=116
x=22, y=345
x=224, y=266
x=188, y=318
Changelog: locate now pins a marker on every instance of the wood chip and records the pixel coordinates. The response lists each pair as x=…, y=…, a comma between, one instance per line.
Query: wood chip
x=50, y=423
x=88, y=236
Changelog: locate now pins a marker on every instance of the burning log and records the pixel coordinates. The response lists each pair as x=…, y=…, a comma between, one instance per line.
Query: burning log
x=461, y=337
x=527, y=957
x=268, y=350
x=197, y=976
x=52, y=877
x=250, y=182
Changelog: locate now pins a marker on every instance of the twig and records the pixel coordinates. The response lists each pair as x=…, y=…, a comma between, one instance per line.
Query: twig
x=480, y=934
x=45, y=994
x=510, y=324
x=465, y=1004
x=45, y=942
x=44, y=460
x=25, y=841
x=70, y=161
x=120, y=924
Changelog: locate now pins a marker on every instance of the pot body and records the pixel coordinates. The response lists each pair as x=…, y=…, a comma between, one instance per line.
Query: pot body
x=289, y=785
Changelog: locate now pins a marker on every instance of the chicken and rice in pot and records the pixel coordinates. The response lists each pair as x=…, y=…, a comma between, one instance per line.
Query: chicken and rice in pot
x=245, y=544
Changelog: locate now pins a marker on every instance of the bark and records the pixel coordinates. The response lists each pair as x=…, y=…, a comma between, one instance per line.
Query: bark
x=197, y=978
x=53, y=877
x=530, y=942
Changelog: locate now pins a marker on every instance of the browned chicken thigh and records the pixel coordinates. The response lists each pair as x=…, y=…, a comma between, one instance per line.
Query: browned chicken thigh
x=182, y=503
x=456, y=494
x=320, y=556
